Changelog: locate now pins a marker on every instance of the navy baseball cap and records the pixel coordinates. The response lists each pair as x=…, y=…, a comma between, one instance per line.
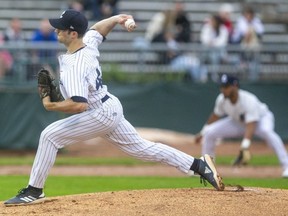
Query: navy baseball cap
x=227, y=80
x=71, y=20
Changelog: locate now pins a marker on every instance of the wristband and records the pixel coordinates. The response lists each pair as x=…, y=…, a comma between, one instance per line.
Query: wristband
x=245, y=144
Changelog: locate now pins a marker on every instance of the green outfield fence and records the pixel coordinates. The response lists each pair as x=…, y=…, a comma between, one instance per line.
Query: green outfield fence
x=179, y=106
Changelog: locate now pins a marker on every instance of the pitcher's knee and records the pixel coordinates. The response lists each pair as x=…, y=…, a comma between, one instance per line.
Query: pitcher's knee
x=46, y=134
x=46, y=138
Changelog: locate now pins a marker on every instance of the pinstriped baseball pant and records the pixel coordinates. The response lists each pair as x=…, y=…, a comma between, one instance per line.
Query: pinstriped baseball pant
x=229, y=128
x=108, y=122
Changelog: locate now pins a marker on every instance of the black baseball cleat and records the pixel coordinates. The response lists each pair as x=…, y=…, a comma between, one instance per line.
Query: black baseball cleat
x=208, y=172
x=26, y=196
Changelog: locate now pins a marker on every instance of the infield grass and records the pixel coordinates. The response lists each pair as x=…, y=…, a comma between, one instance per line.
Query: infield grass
x=257, y=160
x=68, y=185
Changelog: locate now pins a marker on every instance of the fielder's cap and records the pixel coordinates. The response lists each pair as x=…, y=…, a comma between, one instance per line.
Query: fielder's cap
x=71, y=20
x=227, y=80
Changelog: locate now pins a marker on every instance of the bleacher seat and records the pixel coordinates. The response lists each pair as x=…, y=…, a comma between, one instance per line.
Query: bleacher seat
x=31, y=11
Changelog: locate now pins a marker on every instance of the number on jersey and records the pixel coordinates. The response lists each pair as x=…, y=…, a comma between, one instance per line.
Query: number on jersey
x=99, y=79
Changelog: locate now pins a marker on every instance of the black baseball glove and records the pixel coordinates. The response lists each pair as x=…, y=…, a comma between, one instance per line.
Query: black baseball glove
x=47, y=86
x=243, y=158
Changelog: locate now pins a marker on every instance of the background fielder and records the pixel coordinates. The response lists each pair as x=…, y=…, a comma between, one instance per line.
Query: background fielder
x=239, y=113
x=95, y=111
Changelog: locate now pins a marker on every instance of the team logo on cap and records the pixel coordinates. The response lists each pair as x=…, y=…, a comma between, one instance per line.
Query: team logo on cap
x=61, y=16
x=224, y=78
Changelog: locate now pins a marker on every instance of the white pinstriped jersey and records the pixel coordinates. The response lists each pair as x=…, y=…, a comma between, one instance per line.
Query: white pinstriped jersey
x=80, y=72
x=80, y=75
x=247, y=109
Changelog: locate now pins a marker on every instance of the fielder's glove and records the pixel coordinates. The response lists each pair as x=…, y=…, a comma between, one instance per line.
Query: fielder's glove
x=47, y=86
x=243, y=158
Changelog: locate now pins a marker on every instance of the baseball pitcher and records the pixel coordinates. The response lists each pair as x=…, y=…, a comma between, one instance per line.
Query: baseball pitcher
x=95, y=111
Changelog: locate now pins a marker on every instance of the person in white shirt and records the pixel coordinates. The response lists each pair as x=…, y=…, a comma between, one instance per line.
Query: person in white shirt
x=214, y=36
x=247, y=25
x=214, y=33
x=239, y=113
x=248, y=32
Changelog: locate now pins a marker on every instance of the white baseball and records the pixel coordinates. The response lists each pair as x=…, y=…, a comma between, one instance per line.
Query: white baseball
x=130, y=24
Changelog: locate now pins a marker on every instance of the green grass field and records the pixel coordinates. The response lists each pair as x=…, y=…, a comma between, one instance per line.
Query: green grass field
x=66, y=185
x=257, y=160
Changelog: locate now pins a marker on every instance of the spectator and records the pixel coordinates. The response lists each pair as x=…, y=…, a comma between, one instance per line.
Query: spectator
x=172, y=28
x=42, y=57
x=248, y=32
x=225, y=13
x=248, y=26
x=14, y=34
x=6, y=61
x=44, y=32
x=214, y=37
x=76, y=5
x=239, y=113
x=101, y=9
x=182, y=24
x=173, y=21
x=165, y=34
x=158, y=25
x=14, y=31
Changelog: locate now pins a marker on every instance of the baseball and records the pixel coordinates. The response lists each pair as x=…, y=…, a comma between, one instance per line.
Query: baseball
x=130, y=24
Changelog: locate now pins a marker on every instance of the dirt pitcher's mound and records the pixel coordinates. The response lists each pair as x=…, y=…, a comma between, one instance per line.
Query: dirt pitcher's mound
x=201, y=201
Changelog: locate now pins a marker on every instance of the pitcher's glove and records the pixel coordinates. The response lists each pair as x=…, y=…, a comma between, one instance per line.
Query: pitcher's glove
x=243, y=158
x=47, y=86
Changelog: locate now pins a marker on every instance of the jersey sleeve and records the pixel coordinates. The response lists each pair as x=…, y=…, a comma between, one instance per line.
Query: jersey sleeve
x=93, y=38
x=218, y=108
x=252, y=108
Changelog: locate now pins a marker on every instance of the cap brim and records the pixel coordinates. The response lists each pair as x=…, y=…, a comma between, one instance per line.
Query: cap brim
x=57, y=24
